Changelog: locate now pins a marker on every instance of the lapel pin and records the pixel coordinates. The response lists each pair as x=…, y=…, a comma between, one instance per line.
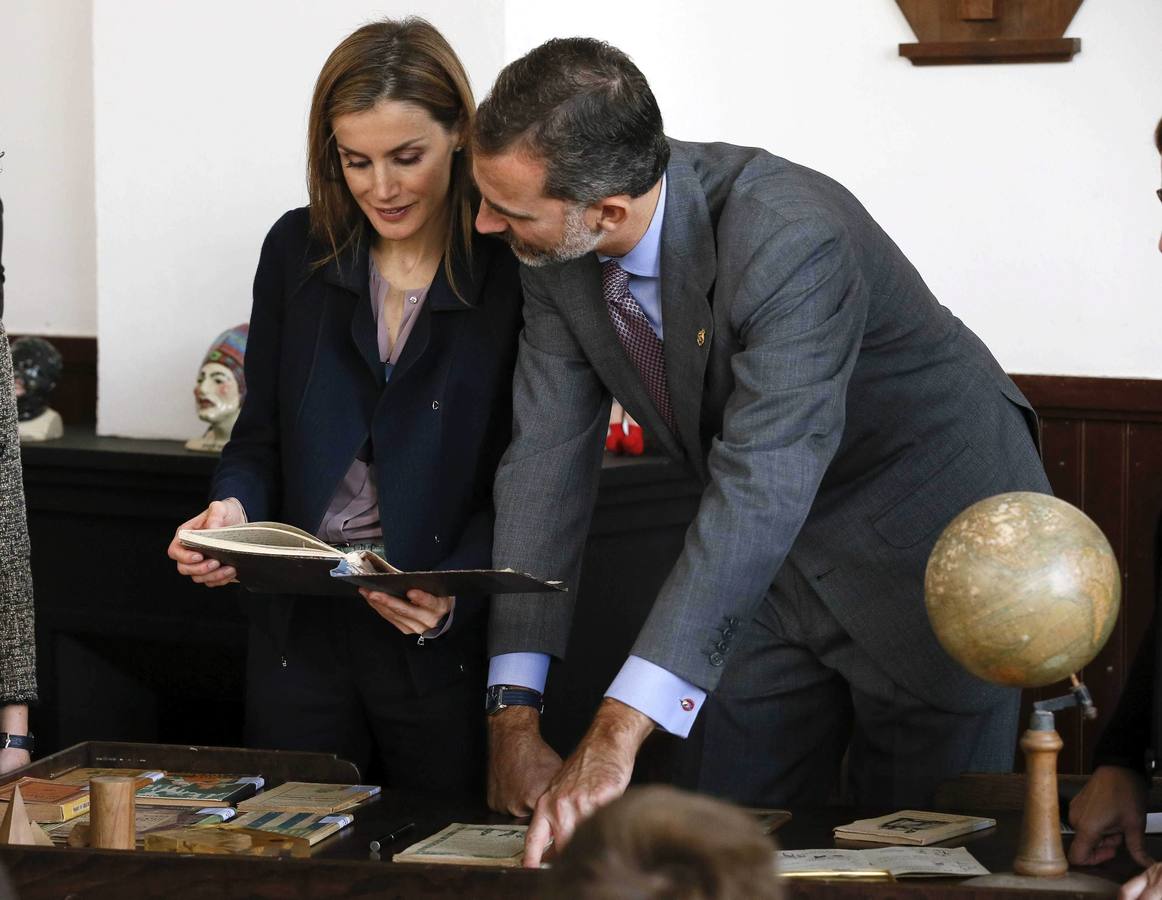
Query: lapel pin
x=701, y=336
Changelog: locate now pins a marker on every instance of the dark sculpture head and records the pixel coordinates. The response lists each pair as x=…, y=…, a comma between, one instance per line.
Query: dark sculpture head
x=37, y=366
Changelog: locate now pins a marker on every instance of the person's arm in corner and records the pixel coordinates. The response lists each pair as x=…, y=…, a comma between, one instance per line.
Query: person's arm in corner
x=1111, y=809
x=17, y=638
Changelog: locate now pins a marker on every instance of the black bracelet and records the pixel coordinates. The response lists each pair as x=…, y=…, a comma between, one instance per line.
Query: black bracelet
x=16, y=741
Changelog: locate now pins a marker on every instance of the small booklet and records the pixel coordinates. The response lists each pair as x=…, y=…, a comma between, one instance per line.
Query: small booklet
x=894, y=862
x=912, y=826
x=46, y=800
x=199, y=790
x=312, y=826
x=310, y=797
x=469, y=845
x=273, y=558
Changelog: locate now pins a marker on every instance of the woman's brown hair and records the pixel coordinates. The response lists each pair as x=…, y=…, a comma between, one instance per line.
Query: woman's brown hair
x=407, y=61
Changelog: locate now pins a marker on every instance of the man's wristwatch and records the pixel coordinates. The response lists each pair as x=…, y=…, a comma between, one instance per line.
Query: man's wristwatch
x=16, y=741
x=500, y=696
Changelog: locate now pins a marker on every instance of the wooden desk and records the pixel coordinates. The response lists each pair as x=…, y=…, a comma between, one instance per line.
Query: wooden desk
x=342, y=866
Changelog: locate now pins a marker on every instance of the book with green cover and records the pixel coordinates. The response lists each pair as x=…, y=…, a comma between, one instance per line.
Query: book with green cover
x=312, y=826
x=199, y=790
x=305, y=796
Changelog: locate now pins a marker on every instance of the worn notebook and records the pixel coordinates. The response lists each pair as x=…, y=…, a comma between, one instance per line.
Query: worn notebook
x=469, y=845
x=199, y=790
x=273, y=558
x=887, y=862
x=305, y=796
x=912, y=826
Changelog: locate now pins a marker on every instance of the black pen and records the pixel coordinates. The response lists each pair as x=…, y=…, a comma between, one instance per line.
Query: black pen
x=394, y=835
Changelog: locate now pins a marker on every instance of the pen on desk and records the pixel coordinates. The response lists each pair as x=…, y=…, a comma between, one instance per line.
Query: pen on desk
x=394, y=835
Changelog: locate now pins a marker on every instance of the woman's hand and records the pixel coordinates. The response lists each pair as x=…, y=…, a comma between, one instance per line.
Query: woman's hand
x=419, y=613
x=190, y=562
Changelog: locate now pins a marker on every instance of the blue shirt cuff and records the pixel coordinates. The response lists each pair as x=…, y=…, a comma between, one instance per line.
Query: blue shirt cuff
x=659, y=693
x=529, y=670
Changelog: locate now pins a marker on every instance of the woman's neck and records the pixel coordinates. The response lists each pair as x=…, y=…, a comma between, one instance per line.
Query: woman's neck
x=412, y=262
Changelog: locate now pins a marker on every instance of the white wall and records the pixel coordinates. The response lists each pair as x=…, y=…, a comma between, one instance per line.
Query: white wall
x=200, y=136
x=46, y=182
x=1023, y=193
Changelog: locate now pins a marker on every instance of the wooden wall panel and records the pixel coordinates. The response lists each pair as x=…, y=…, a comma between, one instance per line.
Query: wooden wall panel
x=1102, y=446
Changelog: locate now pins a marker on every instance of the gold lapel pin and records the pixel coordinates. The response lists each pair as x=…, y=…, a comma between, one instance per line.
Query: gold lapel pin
x=701, y=336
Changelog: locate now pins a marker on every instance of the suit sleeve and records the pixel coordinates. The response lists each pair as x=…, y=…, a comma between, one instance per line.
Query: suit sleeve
x=1128, y=736
x=798, y=313
x=546, y=484
x=251, y=463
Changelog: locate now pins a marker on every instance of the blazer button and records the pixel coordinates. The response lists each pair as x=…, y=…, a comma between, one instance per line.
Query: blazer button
x=721, y=646
x=717, y=659
x=437, y=539
x=435, y=404
x=727, y=633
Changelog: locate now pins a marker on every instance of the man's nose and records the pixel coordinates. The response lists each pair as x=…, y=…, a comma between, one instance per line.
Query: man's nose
x=488, y=222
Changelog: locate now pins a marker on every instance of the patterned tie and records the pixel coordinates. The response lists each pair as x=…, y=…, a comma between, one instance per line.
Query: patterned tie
x=633, y=329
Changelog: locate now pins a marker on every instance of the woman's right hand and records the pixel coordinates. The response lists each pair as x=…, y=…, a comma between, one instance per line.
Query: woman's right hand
x=190, y=562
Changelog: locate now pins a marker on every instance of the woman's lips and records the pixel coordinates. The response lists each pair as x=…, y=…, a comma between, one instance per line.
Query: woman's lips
x=393, y=213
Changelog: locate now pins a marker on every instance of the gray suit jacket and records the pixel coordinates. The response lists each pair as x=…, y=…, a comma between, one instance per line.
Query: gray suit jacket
x=838, y=416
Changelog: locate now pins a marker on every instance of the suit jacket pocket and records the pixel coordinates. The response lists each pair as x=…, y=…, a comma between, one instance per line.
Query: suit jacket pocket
x=921, y=514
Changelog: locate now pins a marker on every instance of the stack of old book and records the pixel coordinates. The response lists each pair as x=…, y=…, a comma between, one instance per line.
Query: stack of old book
x=195, y=812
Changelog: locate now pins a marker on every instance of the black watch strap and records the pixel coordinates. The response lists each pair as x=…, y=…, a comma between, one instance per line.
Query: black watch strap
x=16, y=741
x=501, y=696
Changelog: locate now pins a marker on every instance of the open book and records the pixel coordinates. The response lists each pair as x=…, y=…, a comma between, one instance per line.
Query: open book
x=273, y=558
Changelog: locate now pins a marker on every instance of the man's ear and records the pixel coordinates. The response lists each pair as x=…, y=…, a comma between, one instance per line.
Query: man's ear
x=612, y=212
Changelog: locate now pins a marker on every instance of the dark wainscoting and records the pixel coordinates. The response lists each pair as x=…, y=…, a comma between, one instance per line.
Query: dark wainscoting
x=1101, y=440
x=129, y=650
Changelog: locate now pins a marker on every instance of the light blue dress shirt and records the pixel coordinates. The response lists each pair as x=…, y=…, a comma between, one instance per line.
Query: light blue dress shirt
x=658, y=693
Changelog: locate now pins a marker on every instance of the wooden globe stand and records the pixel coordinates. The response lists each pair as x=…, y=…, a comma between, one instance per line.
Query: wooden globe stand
x=1040, y=863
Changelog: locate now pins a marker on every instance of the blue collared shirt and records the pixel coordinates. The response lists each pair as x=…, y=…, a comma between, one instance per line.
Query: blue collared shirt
x=658, y=693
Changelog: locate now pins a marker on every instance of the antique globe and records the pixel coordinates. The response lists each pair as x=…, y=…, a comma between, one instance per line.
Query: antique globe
x=1022, y=589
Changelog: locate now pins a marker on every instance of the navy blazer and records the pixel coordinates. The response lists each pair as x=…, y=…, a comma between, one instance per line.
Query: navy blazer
x=316, y=394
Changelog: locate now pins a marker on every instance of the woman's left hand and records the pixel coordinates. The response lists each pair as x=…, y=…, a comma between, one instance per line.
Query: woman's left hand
x=419, y=613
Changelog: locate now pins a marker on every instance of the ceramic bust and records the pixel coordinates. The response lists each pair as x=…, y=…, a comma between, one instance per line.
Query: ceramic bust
x=36, y=366
x=220, y=389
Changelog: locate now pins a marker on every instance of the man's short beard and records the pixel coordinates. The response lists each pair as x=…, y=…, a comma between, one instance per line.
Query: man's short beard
x=577, y=240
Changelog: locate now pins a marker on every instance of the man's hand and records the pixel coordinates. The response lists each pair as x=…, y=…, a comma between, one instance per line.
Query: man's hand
x=420, y=613
x=595, y=774
x=520, y=763
x=1110, y=808
x=190, y=562
x=1147, y=886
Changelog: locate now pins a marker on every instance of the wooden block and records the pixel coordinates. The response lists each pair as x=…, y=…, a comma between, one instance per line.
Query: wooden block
x=217, y=840
x=18, y=829
x=112, y=812
x=978, y=10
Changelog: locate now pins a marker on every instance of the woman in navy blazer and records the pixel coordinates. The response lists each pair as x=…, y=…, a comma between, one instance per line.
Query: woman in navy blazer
x=378, y=387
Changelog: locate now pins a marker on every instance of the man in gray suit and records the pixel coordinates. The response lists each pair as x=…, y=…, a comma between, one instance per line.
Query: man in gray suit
x=761, y=326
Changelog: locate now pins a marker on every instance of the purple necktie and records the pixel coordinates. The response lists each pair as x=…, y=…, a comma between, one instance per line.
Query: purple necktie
x=633, y=329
